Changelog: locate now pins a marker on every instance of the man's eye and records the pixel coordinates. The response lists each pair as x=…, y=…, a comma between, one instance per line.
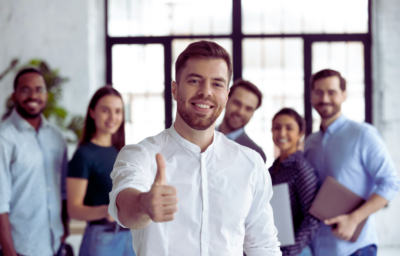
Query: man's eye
x=218, y=85
x=193, y=81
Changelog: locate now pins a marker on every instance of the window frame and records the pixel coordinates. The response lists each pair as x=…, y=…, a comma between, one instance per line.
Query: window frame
x=237, y=38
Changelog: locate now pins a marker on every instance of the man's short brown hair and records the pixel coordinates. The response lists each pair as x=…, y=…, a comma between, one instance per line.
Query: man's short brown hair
x=204, y=49
x=328, y=73
x=248, y=86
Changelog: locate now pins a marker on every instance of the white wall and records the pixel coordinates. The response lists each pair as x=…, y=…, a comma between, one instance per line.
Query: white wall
x=69, y=35
x=386, y=101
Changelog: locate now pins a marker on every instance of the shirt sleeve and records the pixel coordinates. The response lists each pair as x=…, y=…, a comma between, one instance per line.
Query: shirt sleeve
x=131, y=170
x=378, y=163
x=5, y=176
x=79, y=167
x=261, y=233
x=306, y=190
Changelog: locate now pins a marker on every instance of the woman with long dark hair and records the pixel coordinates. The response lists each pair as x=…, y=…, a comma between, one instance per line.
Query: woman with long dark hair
x=291, y=167
x=89, y=182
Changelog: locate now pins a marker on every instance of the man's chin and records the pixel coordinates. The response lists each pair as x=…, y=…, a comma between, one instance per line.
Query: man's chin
x=326, y=115
x=28, y=114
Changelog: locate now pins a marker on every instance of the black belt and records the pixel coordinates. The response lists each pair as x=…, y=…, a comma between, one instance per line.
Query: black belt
x=110, y=225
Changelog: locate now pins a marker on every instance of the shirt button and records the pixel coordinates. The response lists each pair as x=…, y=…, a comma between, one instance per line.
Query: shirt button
x=48, y=189
x=49, y=207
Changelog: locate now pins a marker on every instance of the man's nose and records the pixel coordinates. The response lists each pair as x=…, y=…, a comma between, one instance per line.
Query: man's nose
x=242, y=111
x=325, y=97
x=205, y=89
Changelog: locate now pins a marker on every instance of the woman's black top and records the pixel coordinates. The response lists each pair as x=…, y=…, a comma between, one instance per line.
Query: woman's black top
x=95, y=164
x=302, y=182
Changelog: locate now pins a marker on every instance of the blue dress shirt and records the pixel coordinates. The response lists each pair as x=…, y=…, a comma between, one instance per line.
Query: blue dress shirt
x=356, y=156
x=33, y=166
x=235, y=134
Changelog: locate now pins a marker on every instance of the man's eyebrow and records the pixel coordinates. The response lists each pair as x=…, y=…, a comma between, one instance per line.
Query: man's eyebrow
x=220, y=79
x=193, y=74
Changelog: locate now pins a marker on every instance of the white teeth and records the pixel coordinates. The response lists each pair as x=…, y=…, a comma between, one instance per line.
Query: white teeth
x=283, y=140
x=202, y=106
x=33, y=104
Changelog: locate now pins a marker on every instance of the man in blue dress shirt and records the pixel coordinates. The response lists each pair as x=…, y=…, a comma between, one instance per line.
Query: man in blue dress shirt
x=33, y=165
x=356, y=156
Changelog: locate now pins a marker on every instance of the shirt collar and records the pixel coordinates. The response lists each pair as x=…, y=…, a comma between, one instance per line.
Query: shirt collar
x=235, y=134
x=22, y=125
x=232, y=135
x=337, y=124
x=187, y=144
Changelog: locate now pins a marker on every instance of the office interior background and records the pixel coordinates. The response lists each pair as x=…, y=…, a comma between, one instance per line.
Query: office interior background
x=276, y=44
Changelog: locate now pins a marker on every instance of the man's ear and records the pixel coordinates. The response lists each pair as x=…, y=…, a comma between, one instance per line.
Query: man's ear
x=174, y=90
x=345, y=95
x=14, y=97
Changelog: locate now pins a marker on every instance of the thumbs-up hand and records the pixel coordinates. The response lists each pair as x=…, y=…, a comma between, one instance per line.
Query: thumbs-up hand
x=161, y=201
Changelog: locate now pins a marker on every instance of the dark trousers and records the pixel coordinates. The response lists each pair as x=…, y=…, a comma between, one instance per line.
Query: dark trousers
x=370, y=250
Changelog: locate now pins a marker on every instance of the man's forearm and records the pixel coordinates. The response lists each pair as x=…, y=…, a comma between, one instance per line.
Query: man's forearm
x=130, y=210
x=373, y=204
x=6, y=242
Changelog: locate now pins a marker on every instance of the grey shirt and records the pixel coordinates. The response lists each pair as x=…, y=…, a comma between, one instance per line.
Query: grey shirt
x=33, y=166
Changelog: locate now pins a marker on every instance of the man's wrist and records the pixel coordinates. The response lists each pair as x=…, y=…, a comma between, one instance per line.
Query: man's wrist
x=142, y=203
x=356, y=217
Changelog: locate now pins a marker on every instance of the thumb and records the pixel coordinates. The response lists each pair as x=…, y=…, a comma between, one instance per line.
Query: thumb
x=160, y=178
x=331, y=221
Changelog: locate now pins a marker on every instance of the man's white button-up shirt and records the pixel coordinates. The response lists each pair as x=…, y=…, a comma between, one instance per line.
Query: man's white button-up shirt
x=223, y=197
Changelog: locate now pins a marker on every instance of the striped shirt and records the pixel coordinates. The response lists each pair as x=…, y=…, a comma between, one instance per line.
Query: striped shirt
x=302, y=182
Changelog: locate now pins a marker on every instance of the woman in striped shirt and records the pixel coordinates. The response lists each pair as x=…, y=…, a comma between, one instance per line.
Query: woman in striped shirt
x=291, y=167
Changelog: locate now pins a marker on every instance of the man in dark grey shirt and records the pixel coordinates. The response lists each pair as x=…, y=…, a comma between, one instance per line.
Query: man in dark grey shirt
x=244, y=99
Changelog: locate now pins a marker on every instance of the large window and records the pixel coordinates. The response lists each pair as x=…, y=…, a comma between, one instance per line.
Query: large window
x=275, y=44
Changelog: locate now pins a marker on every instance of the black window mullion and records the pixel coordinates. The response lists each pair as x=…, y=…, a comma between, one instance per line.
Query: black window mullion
x=368, y=80
x=307, y=62
x=237, y=37
x=167, y=82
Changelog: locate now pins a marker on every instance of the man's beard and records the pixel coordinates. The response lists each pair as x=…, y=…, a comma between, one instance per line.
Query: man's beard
x=195, y=120
x=25, y=114
x=228, y=123
x=326, y=115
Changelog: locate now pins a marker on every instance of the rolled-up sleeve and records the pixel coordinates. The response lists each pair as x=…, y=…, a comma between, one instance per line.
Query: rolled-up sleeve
x=131, y=170
x=5, y=176
x=261, y=233
x=378, y=163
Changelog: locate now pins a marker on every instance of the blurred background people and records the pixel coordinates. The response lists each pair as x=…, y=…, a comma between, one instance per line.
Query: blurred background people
x=291, y=167
x=89, y=182
x=33, y=166
x=244, y=99
x=356, y=156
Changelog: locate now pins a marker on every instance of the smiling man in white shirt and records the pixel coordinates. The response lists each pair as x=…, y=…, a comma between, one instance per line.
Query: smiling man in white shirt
x=210, y=196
